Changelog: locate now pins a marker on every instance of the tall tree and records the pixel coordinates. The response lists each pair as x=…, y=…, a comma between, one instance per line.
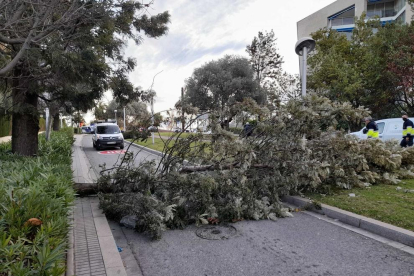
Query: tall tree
x=373, y=68
x=352, y=70
x=70, y=52
x=219, y=85
x=265, y=60
x=400, y=69
x=267, y=66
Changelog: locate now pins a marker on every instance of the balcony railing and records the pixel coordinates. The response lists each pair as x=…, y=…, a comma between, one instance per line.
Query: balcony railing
x=381, y=13
x=342, y=21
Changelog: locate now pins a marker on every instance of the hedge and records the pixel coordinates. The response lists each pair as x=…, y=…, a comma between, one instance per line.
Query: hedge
x=36, y=194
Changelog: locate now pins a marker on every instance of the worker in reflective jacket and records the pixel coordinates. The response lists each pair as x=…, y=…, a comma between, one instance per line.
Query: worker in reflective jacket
x=408, y=132
x=371, y=129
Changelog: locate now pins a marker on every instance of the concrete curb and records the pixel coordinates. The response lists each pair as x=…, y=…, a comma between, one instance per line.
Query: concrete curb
x=111, y=257
x=371, y=225
x=70, y=264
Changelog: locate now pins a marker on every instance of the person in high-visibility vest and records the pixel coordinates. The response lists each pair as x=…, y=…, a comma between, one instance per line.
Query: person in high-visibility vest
x=371, y=129
x=408, y=132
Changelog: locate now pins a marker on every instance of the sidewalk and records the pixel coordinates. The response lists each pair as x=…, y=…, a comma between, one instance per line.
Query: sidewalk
x=92, y=250
x=82, y=170
x=5, y=139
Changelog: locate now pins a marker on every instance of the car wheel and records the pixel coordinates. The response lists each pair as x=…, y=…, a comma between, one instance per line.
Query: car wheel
x=122, y=146
x=98, y=147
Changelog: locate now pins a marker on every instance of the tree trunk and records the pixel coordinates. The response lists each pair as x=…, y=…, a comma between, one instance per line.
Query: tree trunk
x=56, y=122
x=25, y=126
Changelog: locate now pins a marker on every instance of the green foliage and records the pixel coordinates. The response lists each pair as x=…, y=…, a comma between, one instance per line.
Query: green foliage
x=82, y=57
x=236, y=130
x=219, y=85
x=359, y=70
x=301, y=148
x=35, y=188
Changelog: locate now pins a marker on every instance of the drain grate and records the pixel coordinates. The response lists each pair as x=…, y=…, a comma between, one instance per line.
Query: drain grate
x=216, y=232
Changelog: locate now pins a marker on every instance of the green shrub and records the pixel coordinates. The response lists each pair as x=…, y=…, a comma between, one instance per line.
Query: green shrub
x=236, y=130
x=35, y=190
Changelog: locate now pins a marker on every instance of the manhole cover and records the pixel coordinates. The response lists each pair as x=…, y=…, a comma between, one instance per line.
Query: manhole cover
x=216, y=232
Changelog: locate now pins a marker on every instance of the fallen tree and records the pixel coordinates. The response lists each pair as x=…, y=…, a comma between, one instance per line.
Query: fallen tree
x=300, y=148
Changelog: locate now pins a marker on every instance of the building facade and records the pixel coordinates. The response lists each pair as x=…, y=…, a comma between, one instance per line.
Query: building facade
x=341, y=14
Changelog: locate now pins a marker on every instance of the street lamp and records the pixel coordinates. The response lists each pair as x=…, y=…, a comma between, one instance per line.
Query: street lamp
x=124, y=121
x=303, y=47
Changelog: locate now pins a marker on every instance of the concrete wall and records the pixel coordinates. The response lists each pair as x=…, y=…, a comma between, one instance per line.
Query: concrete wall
x=408, y=14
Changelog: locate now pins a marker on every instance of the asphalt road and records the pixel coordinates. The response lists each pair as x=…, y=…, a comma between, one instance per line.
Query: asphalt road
x=112, y=156
x=303, y=245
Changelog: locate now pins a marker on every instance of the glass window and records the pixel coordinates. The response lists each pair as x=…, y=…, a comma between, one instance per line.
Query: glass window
x=108, y=129
x=381, y=127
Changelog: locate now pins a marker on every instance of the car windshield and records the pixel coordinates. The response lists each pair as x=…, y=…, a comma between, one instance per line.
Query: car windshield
x=107, y=129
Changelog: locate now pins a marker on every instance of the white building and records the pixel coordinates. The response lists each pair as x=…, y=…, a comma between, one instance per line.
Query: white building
x=340, y=15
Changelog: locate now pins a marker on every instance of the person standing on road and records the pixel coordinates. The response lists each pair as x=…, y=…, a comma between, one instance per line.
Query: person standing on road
x=408, y=132
x=371, y=129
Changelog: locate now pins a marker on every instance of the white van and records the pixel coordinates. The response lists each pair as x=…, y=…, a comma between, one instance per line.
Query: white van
x=107, y=135
x=388, y=129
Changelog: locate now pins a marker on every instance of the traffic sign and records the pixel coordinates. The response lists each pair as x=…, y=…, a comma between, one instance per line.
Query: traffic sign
x=112, y=152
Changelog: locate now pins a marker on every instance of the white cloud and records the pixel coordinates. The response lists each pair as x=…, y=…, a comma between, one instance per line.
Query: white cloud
x=201, y=31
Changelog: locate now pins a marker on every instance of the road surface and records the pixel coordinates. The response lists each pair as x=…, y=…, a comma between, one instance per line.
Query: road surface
x=303, y=245
x=111, y=156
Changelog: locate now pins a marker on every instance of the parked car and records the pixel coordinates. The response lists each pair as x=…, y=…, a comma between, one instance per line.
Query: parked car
x=107, y=135
x=86, y=130
x=388, y=129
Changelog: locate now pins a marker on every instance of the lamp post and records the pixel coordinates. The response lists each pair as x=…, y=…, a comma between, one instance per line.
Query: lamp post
x=124, y=121
x=115, y=116
x=303, y=47
x=152, y=119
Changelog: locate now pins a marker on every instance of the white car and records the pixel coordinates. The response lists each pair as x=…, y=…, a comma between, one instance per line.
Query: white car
x=107, y=135
x=388, y=129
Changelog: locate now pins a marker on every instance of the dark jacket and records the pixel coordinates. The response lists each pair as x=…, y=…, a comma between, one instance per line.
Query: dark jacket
x=371, y=130
x=408, y=128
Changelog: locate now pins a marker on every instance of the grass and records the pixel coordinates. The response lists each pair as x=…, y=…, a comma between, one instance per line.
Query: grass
x=381, y=202
x=158, y=143
x=169, y=134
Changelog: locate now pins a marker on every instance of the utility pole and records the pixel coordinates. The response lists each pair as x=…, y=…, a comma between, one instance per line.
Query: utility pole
x=182, y=109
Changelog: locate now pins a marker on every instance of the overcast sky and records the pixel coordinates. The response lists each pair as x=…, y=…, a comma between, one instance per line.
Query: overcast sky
x=205, y=30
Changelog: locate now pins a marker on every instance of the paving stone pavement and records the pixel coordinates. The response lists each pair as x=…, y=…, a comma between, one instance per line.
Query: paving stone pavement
x=87, y=250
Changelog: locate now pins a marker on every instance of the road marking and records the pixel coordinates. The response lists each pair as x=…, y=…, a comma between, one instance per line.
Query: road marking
x=112, y=152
